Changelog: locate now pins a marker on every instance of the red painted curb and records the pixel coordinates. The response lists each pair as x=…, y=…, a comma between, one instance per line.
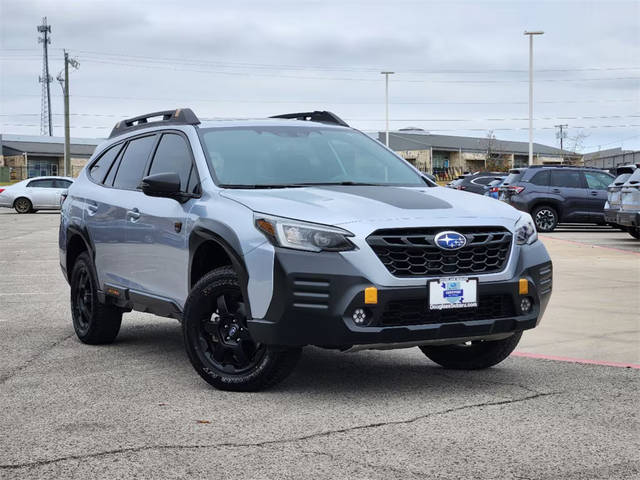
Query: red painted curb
x=575, y=360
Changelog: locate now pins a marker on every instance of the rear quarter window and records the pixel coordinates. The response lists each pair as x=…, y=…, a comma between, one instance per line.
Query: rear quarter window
x=513, y=177
x=541, y=178
x=100, y=167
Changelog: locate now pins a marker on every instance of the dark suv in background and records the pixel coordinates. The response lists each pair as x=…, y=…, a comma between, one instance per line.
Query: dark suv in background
x=553, y=194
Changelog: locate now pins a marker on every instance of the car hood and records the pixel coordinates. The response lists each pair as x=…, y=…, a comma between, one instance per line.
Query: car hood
x=378, y=206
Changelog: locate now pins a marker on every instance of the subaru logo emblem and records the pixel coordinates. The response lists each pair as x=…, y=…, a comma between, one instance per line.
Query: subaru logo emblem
x=450, y=240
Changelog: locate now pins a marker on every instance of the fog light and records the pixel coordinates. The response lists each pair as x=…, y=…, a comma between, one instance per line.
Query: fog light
x=525, y=304
x=359, y=316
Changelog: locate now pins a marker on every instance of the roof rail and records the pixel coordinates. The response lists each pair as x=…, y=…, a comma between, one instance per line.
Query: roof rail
x=180, y=116
x=563, y=166
x=320, y=116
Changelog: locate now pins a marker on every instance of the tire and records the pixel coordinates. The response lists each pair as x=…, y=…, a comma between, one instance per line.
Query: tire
x=545, y=218
x=23, y=205
x=634, y=232
x=218, y=341
x=476, y=356
x=94, y=322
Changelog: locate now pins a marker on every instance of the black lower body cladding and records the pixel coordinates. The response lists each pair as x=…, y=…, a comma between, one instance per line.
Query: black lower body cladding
x=317, y=295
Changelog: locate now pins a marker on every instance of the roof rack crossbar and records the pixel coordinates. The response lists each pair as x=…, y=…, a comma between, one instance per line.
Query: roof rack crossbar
x=181, y=116
x=320, y=116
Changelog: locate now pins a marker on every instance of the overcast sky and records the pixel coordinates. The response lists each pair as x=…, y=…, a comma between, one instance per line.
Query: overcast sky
x=461, y=67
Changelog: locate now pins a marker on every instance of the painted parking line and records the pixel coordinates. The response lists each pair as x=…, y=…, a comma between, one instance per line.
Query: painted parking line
x=575, y=360
x=584, y=244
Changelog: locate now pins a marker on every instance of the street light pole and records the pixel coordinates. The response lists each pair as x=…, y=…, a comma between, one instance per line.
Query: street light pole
x=386, y=103
x=531, y=34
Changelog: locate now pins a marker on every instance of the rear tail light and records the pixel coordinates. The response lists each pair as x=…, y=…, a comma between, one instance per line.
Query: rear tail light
x=515, y=189
x=461, y=187
x=1, y=190
x=494, y=189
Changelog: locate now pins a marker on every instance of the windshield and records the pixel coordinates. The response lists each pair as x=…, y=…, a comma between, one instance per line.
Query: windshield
x=264, y=156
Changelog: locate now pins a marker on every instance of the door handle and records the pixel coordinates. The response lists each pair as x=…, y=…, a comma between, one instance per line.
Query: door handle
x=594, y=194
x=134, y=214
x=555, y=190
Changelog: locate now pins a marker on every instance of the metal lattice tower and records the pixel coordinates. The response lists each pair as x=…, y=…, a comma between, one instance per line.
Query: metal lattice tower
x=46, y=128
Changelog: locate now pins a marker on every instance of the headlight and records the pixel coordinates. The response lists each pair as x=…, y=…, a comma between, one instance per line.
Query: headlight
x=526, y=230
x=311, y=237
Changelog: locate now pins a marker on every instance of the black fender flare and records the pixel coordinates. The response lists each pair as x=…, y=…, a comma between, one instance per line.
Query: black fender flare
x=200, y=234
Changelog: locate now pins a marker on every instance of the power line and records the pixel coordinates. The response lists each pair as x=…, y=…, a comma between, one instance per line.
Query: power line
x=325, y=102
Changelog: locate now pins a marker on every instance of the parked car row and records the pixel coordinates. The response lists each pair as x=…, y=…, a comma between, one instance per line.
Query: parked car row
x=623, y=201
x=33, y=194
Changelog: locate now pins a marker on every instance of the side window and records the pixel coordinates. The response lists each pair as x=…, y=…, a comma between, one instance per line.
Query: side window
x=541, y=178
x=566, y=178
x=100, y=168
x=173, y=156
x=134, y=160
x=597, y=181
x=62, y=183
x=42, y=184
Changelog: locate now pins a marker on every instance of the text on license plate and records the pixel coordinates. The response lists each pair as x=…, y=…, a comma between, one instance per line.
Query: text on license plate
x=453, y=292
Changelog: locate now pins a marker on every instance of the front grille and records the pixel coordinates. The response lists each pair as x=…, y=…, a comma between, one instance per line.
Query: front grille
x=416, y=312
x=413, y=252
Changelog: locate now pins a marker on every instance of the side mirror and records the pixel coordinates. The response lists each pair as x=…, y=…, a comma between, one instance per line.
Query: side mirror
x=161, y=185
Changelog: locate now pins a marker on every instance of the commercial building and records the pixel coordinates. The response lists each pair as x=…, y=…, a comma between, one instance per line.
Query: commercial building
x=611, y=158
x=26, y=156
x=448, y=155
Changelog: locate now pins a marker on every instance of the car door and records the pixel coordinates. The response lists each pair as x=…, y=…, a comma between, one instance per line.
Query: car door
x=99, y=214
x=597, y=183
x=42, y=193
x=158, y=243
x=115, y=211
x=570, y=188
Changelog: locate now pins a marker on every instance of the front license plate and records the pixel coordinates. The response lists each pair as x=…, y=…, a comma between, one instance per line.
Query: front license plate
x=453, y=292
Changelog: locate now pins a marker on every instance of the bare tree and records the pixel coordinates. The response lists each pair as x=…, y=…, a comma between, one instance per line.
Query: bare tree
x=494, y=160
x=576, y=143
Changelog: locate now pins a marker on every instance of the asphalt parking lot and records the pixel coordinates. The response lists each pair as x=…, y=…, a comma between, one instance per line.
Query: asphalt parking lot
x=136, y=409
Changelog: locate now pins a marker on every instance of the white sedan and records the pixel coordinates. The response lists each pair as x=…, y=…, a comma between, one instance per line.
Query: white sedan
x=33, y=194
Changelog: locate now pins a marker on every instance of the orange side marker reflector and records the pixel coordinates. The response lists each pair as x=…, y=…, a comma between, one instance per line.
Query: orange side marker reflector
x=371, y=295
x=523, y=286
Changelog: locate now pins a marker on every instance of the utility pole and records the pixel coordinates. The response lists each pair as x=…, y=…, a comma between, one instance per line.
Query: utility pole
x=64, y=83
x=561, y=134
x=386, y=103
x=45, y=79
x=531, y=34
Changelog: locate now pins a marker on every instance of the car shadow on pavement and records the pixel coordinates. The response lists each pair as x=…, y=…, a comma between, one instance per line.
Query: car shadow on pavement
x=326, y=372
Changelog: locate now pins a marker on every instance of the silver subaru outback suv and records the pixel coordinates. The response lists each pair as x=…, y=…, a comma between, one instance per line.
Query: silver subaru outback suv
x=264, y=236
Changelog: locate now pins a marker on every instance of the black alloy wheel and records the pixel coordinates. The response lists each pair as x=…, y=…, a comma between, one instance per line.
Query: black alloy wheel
x=224, y=336
x=82, y=304
x=218, y=340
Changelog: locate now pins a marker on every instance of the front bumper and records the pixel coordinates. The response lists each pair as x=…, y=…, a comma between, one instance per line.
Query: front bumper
x=315, y=296
x=628, y=218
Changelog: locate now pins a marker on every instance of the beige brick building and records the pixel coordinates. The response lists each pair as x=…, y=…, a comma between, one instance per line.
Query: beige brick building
x=25, y=156
x=448, y=156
